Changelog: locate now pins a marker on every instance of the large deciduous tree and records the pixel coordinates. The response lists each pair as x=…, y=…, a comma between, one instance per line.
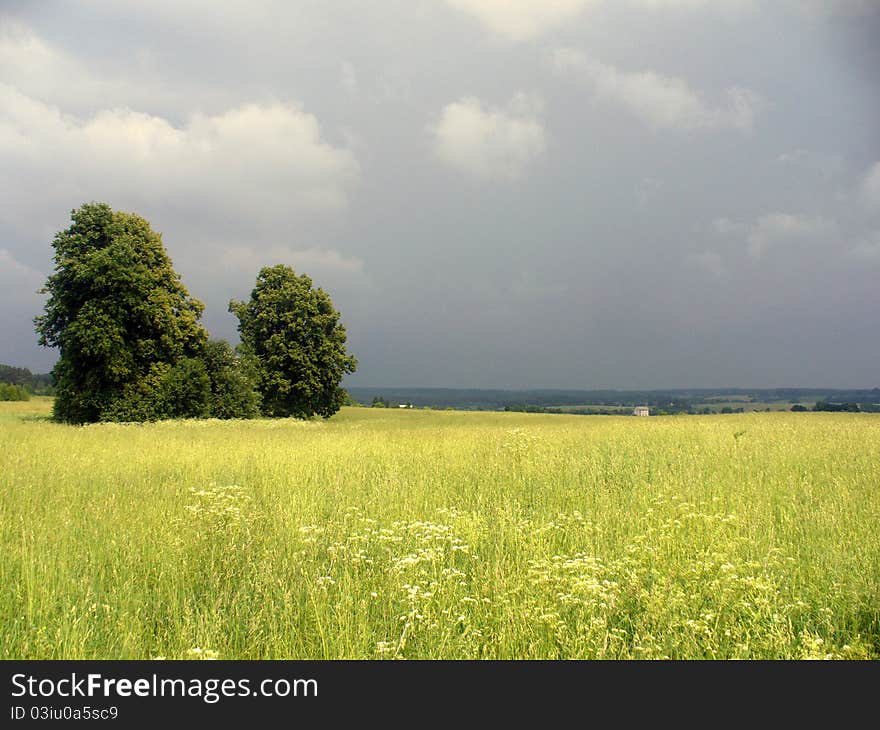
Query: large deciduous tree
x=292, y=333
x=131, y=345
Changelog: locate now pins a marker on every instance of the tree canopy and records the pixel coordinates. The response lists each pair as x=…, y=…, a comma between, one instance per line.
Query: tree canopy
x=291, y=333
x=131, y=345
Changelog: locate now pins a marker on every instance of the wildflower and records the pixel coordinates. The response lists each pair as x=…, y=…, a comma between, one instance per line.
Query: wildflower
x=199, y=653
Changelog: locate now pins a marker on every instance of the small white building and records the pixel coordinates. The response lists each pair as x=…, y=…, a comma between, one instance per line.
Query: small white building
x=641, y=411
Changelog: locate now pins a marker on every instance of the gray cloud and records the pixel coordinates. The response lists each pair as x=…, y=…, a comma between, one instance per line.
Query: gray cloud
x=688, y=196
x=19, y=303
x=871, y=188
x=867, y=250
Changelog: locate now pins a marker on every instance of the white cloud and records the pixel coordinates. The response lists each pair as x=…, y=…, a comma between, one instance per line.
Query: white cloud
x=12, y=271
x=871, y=187
x=27, y=61
x=725, y=226
x=348, y=78
x=823, y=8
x=663, y=102
x=688, y=4
x=52, y=75
x=826, y=165
x=694, y=4
x=708, y=261
x=520, y=20
x=778, y=227
x=306, y=260
x=647, y=189
x=252, y=161
x=345, y=277
x=868, y=249
x=854, y=207
x=528, y=287
x=769, y=230
x=794, y=156
x=488, y=142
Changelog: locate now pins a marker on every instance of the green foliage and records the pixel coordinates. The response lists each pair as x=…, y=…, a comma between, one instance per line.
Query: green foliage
x=36, y=383
x=232, y=382
x=292, y=332
x=14, y=376
x=836, y=407
x=213, y=385
x=9, y=391
x=182, y=390
x=126, y=327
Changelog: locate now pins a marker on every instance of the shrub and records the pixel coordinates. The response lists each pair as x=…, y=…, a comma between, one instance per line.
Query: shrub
x=8, y=391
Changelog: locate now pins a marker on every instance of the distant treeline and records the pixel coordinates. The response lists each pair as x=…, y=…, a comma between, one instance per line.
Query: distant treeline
x=21, y=383
x=846, y=407
x=659, y=401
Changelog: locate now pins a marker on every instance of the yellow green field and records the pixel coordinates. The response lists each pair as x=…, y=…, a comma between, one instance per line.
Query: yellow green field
x=422, y=534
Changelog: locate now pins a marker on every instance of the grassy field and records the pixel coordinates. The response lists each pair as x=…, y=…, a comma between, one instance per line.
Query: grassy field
x=424, y=534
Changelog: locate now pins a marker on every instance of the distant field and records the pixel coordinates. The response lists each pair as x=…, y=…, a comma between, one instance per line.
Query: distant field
x=715, y=404
x=594, y=408
x=39, y=407
x=749, y=406
x=434, y=534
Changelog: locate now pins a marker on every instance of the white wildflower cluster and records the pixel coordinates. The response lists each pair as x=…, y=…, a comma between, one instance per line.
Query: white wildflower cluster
x=199, y=653
x=419, y=567
x=218, y=507
x=814, y=647
x=311, y=534
x=569, y=522
x=683, y=578
x=385, y=648
x=521, y=446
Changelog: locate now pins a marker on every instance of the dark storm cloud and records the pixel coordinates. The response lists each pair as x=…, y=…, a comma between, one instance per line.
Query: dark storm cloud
x=572, y=193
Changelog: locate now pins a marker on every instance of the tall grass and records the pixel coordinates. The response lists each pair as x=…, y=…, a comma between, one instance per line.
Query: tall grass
x=414, y=534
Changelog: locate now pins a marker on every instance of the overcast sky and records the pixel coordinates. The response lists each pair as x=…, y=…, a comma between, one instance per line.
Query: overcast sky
x=496, y=193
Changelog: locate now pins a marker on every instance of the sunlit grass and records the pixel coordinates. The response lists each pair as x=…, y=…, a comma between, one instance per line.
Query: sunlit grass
x=39, y=407
x=420, y=534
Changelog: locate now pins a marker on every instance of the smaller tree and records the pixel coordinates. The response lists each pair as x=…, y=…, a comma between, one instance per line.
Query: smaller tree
x=292, y=334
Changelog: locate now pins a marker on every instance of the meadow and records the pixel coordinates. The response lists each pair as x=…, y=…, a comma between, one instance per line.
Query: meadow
x=408, y=534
